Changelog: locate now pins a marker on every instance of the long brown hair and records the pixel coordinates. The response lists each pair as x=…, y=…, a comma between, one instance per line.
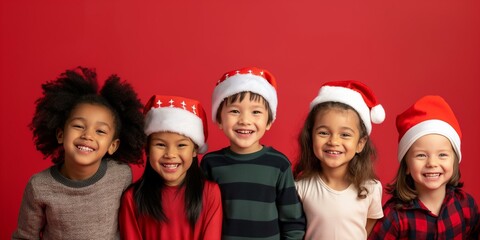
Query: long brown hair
x=360, y=168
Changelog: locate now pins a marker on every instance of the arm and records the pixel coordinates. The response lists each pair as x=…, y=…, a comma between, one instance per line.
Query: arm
x=375, y=208
x=212, y=229
x=387, y=227
x=290, y=212
x=370, y=224
x=205, y=168
x=127, y=219
x=31, y=219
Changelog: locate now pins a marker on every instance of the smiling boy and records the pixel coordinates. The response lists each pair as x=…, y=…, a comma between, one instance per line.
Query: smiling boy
x=256, y=181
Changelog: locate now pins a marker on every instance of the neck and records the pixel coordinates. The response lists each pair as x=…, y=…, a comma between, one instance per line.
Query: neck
x=433, y=199
x=79, y=172
x=335, y=178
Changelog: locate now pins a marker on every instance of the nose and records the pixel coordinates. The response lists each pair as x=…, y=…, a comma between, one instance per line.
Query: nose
x=244, y=118
x=432, y=161
x=87, y=134
x=170, y=153
x=333, y=140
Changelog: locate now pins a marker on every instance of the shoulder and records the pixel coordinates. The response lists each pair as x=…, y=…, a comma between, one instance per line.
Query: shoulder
x=41, y=176
x=213, y=155
x=211, y=187
x=373, y=186
x=128, y=194
x=278, y=158
x=119, y=168
x=464, y=197
x=121, y=172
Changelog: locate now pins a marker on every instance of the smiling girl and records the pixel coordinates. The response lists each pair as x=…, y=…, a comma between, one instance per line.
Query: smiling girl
x=427, y=200
x=334, y=175
x=172, y=200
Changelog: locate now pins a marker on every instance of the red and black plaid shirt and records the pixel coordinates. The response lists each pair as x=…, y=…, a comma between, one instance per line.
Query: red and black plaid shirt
x=458, y=219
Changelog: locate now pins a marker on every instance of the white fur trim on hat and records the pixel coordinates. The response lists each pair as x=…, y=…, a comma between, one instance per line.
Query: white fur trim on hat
x=429, y=127
x=241, y=83
x=346, y=96
x=178, y=121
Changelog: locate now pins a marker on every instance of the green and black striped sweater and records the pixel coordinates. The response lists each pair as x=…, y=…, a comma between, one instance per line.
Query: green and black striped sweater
x=258, y=194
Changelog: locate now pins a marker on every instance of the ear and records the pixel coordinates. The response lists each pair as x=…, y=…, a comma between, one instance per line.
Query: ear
x=113, y=146
x=269, y=125
x=219, y=125
x=361, y=144
x=59, y=136
x=194, y=152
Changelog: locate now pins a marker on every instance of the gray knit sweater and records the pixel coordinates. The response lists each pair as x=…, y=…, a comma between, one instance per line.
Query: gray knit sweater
x=55, y=207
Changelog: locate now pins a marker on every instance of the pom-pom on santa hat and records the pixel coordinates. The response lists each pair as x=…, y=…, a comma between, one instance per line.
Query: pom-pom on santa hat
x=429, y=115
x=355, y=94
x=179, y=115
x=251, y=79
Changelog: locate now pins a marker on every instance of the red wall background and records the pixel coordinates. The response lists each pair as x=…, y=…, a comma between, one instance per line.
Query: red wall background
x=402, y=49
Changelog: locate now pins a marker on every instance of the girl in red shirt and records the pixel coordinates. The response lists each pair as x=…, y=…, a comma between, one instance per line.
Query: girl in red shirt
x=172, y=200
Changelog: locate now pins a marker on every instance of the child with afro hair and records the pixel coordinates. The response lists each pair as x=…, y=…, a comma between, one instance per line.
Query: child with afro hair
x=91, y=135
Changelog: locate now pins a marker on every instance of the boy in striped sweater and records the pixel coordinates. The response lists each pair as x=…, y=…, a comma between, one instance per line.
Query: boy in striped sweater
x=258, y=192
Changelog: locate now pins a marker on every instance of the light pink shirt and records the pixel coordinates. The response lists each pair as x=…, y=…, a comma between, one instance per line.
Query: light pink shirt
x=333, y=214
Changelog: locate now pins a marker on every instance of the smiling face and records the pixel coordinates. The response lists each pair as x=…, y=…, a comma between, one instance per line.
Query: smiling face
x=430, y=162
x=336, y=138
x=87, y=136
x=171, y=155
x=244, y=123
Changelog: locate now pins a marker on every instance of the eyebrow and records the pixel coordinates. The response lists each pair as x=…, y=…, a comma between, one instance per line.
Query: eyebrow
x=96, y=123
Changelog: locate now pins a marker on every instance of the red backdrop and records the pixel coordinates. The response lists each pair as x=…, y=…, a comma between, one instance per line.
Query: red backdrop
x=401, y=49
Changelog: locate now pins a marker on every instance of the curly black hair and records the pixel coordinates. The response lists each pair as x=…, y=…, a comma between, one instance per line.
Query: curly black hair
x=79, y=85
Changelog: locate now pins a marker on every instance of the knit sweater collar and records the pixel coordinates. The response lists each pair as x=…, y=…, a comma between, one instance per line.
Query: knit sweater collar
x=55, y=172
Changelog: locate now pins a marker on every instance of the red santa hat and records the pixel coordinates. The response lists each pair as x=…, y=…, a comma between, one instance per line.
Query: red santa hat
x=251, y=79
x=429, y=115
x=179, y=115
x=355, y=94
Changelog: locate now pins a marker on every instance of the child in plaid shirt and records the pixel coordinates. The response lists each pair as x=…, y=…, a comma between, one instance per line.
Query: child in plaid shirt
x=427, y=201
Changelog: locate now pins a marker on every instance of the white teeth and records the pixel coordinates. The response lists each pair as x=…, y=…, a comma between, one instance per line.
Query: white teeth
x=86, y=149
x=432, y=174
x=244, y=131
x=333, y=152
x=171, y=166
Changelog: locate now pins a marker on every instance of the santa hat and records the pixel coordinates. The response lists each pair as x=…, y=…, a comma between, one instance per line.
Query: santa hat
x=250, y=79
x=356, y=95
x=429, y=115
x=179, y=115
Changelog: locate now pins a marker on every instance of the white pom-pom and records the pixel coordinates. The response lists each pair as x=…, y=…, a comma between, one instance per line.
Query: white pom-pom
x=377, y=114
x=203, y=149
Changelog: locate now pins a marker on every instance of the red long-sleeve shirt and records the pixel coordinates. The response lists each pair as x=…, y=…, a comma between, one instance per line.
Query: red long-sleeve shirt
x=208, y=226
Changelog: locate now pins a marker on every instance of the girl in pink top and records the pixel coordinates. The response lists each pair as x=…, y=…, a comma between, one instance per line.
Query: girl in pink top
x=172, y=200
x=334, y=178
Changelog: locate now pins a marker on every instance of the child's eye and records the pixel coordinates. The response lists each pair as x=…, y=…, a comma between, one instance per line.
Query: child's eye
x=234, y=111
x=346, y=135
x=159, y=144
x=421, y=155
x=257, y=112
x=443, y=155
x=101, y=132
x=322, y=133
x=77, y=126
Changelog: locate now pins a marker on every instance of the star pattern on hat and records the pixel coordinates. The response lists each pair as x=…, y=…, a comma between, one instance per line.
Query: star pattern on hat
x=177, y=114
